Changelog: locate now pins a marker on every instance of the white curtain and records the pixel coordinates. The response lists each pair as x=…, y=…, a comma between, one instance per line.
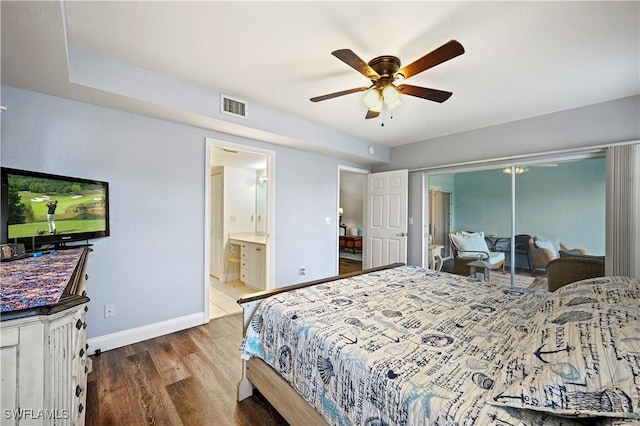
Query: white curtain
x=623, y=211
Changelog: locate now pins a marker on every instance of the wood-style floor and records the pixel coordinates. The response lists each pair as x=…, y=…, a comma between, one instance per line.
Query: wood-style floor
x=347, y=265
x=185, y=378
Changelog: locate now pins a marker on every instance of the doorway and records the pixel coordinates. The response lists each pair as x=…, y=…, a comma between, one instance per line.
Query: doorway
x=239, y=217
x=439, y=221
x=351, y=215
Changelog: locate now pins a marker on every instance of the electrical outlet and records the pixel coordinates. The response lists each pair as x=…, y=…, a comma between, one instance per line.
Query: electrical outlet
x=109, y=311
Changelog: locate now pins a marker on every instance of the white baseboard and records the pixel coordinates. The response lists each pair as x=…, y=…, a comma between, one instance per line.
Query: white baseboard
x=138, y=334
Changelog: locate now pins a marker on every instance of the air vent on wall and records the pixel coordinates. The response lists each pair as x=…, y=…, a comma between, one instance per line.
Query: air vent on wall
x=231, y=106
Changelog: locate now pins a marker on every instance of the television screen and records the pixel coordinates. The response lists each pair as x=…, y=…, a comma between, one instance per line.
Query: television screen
x=43, y=208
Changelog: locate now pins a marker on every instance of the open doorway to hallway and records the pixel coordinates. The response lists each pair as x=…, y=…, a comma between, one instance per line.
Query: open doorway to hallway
x=239, y=218
x=351, y=205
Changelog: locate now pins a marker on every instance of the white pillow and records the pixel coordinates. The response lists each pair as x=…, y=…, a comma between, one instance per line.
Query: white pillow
x=474, y=241
x=546, y=244
x=554, y=240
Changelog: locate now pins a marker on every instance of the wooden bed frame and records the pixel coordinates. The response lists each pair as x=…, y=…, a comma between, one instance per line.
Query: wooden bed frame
x=259, y=375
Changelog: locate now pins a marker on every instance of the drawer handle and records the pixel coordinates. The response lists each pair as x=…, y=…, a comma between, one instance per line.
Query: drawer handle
x=84, y=325
x=86, y=276
x=81, y=352
x=80, y=408
x=86, y=369
x=78, y=390
x=86, y=308
x=79, y=324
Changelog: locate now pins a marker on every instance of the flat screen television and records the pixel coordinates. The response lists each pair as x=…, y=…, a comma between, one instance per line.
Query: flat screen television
x=40, y=209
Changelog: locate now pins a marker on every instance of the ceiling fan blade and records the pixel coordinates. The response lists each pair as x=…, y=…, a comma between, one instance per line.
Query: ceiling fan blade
x=348, y=57
x=336, y=94
x=424, y=93
x=371, y=114
x=442, y=54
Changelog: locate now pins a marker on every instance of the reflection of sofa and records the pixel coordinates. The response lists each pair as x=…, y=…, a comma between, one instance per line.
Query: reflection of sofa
x=543, y=252
x=467, y=247
x=540, y=256
x=565, y=270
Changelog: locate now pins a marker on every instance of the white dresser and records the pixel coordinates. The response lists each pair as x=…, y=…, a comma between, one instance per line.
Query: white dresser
x=43, y=354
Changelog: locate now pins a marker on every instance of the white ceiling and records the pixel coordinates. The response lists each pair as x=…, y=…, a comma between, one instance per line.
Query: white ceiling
x=522, y=59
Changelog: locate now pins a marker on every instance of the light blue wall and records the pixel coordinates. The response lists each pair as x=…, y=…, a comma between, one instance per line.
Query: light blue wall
x=152, y=265
x=445, y=183
x=567, y=201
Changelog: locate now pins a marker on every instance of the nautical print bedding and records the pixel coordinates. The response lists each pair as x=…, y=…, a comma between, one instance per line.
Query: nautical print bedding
x=585, y=342
x=403, y=346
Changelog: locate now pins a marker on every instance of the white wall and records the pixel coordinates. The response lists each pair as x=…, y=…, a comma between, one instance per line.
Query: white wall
x=352, y=191
x=261, y=202
x=152, y=265
x=239, y=200
x=608, y=122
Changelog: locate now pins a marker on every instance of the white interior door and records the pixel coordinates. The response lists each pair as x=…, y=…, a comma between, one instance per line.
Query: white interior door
x=386, y=224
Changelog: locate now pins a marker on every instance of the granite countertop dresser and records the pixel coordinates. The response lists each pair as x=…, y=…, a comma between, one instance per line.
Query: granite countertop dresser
x=43, y=345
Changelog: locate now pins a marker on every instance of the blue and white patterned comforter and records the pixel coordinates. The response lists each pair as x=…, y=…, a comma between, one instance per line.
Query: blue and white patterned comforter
x=402, y=346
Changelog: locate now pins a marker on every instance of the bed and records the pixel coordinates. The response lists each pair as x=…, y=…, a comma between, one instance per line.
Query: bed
x=402, y=345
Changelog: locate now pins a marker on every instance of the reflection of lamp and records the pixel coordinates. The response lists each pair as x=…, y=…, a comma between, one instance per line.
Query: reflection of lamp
x=263, y=179
x=340, y=213
x=519, y=170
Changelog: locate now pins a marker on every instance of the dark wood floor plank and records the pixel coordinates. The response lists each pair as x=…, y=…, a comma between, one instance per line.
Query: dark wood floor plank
x=192, y=404
x=348, y=265
x=168, y=363
x=185, y=378
x=209, y=381
x=146, y=385
x=109, y=382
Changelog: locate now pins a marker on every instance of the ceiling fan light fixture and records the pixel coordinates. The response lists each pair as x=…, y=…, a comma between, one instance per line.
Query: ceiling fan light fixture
x=372, y=98
x=390, y=94
x=378, y=106
x=394, y=105
x=385, y=74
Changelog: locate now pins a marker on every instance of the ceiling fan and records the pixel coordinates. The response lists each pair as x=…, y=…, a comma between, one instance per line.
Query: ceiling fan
x=385, y=72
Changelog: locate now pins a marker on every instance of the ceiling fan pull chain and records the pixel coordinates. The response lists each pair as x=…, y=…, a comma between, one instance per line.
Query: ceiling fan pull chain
x=382, y=119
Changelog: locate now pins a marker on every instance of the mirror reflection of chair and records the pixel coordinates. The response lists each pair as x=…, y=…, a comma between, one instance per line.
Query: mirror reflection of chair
x=467, y=247
x=540, y=256
x=233, y=258
x=521, y=246
x=541, y=252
